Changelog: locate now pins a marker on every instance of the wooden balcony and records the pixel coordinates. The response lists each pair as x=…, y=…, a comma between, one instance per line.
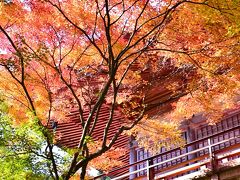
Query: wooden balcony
x=202, y=157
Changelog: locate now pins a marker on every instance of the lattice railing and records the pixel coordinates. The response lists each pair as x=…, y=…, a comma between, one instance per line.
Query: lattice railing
x=207, y=154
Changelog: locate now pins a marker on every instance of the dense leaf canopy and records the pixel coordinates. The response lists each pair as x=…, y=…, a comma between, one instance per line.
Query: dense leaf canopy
x=57, y=55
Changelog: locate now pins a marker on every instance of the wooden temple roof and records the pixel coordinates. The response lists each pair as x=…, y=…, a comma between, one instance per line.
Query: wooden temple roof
x=69, y=132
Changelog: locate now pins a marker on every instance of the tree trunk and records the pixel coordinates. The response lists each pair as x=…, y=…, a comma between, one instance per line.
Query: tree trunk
x=83, y=172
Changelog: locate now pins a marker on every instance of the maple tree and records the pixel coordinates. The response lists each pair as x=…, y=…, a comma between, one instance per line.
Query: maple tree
x=19, y=150
x=22, y=149
x=212, y=47
x=58, y=55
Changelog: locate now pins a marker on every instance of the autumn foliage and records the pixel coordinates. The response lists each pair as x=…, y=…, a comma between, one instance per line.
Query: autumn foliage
x=58, y=55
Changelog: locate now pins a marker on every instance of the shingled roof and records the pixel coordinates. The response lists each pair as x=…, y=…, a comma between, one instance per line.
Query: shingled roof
x=69, y=132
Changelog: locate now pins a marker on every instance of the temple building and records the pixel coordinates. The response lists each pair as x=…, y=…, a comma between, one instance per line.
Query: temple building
x=211, y=151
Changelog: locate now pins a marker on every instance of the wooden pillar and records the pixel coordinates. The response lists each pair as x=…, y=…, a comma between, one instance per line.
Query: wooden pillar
x=150, y=171
x=132, y=158
x=213, y=161
x=190, y=137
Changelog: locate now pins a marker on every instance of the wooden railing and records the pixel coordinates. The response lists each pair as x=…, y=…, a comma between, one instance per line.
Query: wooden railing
x=200, y=155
